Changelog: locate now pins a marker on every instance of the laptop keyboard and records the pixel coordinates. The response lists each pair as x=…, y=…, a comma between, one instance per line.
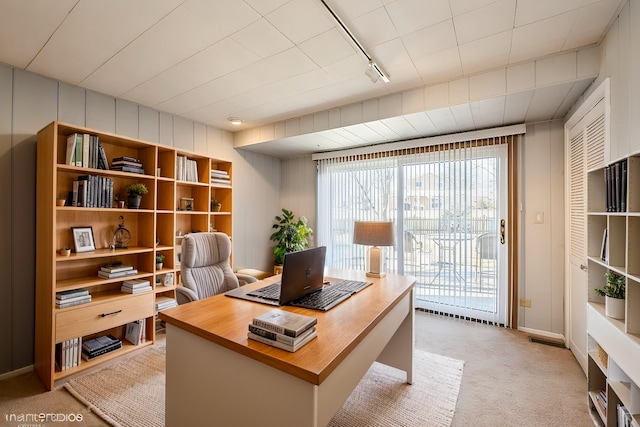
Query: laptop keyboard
x=271, y=292
x=323, y=299
x=352, y=286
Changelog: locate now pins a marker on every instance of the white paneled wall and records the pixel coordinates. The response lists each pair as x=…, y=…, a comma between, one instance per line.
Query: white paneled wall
x=28, y=102
x=298, y=192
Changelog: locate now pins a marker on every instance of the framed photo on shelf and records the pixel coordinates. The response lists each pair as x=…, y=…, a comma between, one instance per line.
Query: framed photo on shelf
x=83, y=239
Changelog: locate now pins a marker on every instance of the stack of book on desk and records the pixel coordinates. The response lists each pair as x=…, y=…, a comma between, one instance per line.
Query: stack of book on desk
x=72, y=297
x=133, y=286
x=98, y=346
x=283, y=329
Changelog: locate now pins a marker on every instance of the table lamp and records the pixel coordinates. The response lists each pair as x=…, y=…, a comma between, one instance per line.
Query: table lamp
x=374, y=234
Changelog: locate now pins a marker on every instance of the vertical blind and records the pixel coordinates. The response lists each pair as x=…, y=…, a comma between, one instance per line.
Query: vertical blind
x=441, y=198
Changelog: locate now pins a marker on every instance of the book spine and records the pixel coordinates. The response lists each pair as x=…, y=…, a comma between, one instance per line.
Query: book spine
x=274, y=328
x=94, y=354
x=273, y=343
x=78, y=293
x=285, y=339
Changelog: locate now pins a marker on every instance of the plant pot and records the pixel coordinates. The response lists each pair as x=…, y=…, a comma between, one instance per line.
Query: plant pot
x=159, y=266
x=614, y=307
x=134, y=202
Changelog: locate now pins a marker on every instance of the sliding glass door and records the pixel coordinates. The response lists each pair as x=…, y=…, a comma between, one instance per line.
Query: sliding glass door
x=448, y=204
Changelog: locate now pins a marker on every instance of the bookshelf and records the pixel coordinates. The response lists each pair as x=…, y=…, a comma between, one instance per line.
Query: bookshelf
x=154, y=229
x=614, y=344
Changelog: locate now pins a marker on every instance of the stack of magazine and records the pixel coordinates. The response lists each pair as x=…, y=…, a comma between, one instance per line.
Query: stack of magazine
x=283, y=329
x=98, y=346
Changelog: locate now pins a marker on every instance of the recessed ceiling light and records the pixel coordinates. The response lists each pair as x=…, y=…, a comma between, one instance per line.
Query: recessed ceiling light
x=235, y=121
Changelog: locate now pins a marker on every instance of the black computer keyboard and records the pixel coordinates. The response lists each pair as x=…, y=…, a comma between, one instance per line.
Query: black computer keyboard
x=271, y=292
x=352, y=286
x=323, y=299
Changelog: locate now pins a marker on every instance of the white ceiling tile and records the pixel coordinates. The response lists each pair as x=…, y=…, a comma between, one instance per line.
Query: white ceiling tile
x=290, y=63
x=373, y=28
x=300, y=20
x=486, y=54
x=412, y=15
x=489, y=84
x=401, y=126
x=516, y=107
x=440, y=66
x=589, y=25
x=545, y=101
x=521, y=77
x=79, y=35
x=529, y=12
x=214, y=62
x=462, y=115
x=486, y=21
x=350, y=9
x=444, y=121
x=422, y=123
x=262, y=38
x=264, y=7
x=29, y=25
x=383, y=130
x=327, y=48
x=488, y=112
x=436, y=38
x=458, y=7
x=556, y=69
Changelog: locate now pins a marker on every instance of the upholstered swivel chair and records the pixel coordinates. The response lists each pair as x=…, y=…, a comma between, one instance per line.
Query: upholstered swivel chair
x=205, y=267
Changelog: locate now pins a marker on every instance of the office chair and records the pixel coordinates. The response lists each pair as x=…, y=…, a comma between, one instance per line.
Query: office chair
x=205, y=268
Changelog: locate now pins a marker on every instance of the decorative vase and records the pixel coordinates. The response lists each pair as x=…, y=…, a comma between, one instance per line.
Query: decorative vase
x=614, y=307
x=134, y=202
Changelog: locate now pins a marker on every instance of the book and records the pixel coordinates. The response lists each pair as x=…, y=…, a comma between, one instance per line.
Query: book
x=285, y=339
x=85, y=150
x=136, y=283
x=126, y=159
x=133, y=332
x=126, y=163
x=285, y=322
x=106, y=275
x=71, y=293
x=289, y=347
x=130, y=290
x=72, y=140
x=99, y=343
x=127, y=169
x=91, y=355
x=73, y=301
x=116, y=267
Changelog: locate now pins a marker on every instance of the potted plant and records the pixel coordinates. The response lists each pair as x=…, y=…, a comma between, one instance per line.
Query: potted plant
x=290, y=235
x=215, y=205
x=135, y=193
x=159, y=261
x=614, y=293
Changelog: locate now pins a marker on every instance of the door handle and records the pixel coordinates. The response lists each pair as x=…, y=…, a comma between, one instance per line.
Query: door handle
x=502, y=222
x=583, y=267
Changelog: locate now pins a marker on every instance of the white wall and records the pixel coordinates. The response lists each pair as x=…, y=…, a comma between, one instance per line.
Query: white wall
x=28, y=102
x=542, y=245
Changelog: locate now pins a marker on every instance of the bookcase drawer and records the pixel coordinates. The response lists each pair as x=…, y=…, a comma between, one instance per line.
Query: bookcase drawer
x=99, y=317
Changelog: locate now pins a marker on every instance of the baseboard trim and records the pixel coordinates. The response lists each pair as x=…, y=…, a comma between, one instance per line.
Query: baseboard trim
x=544, y=337
x=17, y=372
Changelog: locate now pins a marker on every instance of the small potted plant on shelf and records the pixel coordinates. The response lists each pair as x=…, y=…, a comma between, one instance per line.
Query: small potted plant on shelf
x=135, y=193
x=215, y=205
x=159, y=261
x=290, y=235
x=614, y=293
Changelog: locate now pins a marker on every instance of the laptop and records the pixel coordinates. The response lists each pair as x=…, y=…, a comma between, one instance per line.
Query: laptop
x=302, y=276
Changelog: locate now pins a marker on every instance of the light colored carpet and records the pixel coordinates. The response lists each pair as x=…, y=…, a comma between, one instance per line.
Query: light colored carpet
x=130, y=392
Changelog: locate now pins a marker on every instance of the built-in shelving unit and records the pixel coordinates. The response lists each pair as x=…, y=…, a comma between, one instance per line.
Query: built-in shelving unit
x=614, y=244
x=154, y=229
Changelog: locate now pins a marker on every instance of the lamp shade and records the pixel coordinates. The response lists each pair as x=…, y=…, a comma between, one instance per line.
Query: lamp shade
x=374, y=233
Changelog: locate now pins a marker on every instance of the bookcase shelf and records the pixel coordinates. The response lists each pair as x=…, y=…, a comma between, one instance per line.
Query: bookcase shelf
x=153, y=229
x=618, y=380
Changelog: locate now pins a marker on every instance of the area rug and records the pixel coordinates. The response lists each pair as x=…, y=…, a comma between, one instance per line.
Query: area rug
x=130, y=392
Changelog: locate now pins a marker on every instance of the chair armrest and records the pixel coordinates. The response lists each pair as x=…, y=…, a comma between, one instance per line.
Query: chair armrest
x=185, y=295
x=243, y=279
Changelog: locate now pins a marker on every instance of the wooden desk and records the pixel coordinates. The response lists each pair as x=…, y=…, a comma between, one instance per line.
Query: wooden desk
x=217, y=376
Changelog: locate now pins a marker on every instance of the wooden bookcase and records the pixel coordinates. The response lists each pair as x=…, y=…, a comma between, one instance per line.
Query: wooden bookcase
x=154, y=229
x=613, y=366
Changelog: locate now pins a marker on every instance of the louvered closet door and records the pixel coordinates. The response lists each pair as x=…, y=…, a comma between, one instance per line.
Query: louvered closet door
x=585, y=151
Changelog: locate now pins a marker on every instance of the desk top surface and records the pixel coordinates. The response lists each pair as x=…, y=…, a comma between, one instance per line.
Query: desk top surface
x=224, y=321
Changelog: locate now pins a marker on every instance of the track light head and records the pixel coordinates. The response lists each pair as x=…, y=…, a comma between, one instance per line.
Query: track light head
x=371, y=73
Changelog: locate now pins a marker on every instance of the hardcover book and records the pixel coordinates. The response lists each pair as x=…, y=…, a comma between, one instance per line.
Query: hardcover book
x=283, y=346
x=285, y=322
